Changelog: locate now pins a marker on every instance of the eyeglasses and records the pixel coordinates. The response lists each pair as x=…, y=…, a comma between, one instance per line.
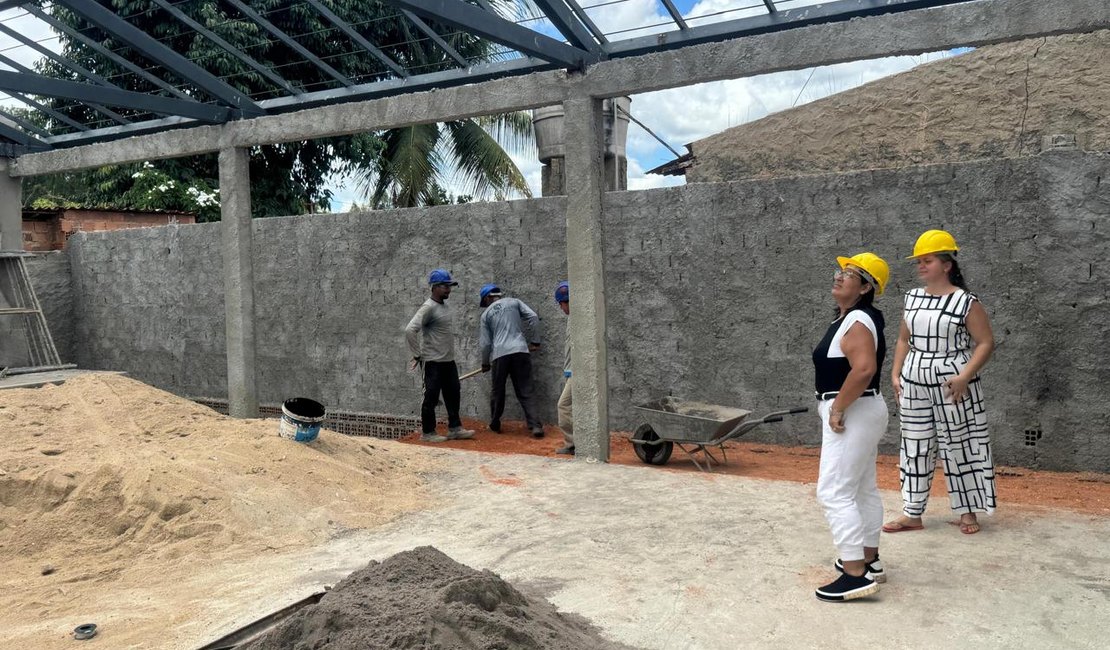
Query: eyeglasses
x=846, y=273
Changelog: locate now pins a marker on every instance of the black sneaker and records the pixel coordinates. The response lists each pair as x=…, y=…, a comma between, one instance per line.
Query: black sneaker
x=568, y=451
x=537, y=433
x=847, y=587
x=874, y=569
x=495, y=426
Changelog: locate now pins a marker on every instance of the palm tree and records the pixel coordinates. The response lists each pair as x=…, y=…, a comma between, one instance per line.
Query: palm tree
x=468, y=155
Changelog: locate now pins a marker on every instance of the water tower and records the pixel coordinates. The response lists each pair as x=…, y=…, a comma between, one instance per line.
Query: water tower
x=548, y=123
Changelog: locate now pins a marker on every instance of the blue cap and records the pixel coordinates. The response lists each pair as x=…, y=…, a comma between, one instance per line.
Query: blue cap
x=562, y=292
x=440, y=276
x=488, y=290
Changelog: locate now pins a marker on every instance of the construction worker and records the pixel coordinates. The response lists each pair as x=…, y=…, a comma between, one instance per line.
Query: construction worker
x=566, y=419
x=507, y=333
x=431, y=339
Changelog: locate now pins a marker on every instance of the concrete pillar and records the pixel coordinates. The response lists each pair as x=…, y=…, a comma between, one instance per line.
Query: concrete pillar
x=235, y=213
x=589, y=355
x=11, y=209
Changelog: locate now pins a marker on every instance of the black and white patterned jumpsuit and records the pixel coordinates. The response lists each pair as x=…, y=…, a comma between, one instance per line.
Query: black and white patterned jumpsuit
x=940, y=347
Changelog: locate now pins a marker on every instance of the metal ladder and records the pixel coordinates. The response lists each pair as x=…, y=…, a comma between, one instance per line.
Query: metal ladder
x=18, y=301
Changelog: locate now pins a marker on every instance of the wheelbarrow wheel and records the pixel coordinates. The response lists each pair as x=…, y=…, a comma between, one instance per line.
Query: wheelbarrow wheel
x=652, y=454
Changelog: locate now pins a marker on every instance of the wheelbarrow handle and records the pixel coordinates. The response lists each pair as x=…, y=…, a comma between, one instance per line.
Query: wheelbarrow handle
x=772, y=418
x=800, y=409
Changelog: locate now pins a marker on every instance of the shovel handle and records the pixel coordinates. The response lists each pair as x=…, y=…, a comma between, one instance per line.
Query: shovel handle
x=471, y=374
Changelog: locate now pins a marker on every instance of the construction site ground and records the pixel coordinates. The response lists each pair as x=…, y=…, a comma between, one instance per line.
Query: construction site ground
x=685, y=560
x=656, y=557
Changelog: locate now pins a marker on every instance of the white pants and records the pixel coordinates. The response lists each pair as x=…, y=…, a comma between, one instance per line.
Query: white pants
x=846, y=487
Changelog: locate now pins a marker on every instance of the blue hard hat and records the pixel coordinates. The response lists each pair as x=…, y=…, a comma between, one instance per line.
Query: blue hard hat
x=440, y=276
x=488, y=290
x=562, y=292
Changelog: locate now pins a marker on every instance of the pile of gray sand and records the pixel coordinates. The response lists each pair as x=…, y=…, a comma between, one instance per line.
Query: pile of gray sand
x=424, y=599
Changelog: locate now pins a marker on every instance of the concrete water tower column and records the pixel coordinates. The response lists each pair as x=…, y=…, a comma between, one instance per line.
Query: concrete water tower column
x=548, y=123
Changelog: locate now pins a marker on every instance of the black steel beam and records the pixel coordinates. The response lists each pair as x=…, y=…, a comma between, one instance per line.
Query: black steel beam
x=19, y=137
x=25, y=125
x=352, y=34
x=386, y=87
x=188, y=71
x=36, y=84
x=568, y=24
x=770, y=6
x=67, y=64
x=483, y=23
x=585, y=18
x=436, y=38
x=265, y=71
x=117, y=59
x=676, y=15
x=288, y=40
x=772, y=22
x=112, y=115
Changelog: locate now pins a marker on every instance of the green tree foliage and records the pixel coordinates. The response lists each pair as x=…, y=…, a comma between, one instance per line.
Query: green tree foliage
x=397, y=167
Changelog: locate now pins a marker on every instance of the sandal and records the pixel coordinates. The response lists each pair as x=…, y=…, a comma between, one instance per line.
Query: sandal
x=967, y=527
x=900, y=527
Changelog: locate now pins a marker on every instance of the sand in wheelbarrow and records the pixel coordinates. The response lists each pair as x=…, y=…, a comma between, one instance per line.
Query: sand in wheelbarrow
x=424, y=599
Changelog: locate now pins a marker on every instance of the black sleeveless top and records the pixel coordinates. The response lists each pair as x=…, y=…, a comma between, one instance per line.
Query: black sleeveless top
x=830, y=373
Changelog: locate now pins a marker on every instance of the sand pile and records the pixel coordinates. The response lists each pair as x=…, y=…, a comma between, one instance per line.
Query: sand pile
x=424, y=599
x=104, y=474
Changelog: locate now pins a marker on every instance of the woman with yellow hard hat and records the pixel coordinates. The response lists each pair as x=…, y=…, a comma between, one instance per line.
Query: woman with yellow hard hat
x=847, y=364
x=944, y=341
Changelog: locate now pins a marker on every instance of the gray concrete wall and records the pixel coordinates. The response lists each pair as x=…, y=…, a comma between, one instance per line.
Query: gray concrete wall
x=332, y=293
x=50, y=277
x=715, y=291
x=719, y=291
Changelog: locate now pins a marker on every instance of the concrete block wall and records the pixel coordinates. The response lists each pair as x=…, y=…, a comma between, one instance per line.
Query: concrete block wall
x=332, y=295
x=50, y=276
x=715, y=291
x=724, y=288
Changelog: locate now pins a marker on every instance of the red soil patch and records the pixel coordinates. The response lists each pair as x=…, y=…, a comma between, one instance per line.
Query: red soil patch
x=1086, y=492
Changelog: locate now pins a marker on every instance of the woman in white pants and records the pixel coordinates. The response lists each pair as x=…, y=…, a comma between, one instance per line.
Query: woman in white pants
x=847, y=364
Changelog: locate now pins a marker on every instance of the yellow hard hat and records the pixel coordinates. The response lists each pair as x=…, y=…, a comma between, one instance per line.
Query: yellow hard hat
x=872, y=265
x=934, y=241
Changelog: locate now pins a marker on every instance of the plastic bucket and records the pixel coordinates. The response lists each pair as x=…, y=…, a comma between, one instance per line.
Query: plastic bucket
x=301, y=419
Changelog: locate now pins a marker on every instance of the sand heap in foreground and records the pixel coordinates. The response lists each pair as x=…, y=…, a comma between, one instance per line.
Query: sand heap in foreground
x=104, y=472
x=424, y=599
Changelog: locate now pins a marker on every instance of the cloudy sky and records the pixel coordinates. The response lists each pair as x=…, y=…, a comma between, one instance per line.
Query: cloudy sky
x=683, y=115
x=677, y=116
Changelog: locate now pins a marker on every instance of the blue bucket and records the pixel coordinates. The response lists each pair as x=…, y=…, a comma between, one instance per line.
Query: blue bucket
x=301, y=419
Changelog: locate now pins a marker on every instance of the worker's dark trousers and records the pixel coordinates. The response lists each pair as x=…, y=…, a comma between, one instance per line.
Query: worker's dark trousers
x=518, y=367
x=440, y=376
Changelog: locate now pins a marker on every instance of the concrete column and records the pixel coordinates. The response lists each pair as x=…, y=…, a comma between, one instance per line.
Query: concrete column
x=235, y=212
x=11, y=209
x=589, y=355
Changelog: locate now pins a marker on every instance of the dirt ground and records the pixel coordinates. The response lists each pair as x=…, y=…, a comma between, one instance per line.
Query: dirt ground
x=114, y=496
x=1084, y=492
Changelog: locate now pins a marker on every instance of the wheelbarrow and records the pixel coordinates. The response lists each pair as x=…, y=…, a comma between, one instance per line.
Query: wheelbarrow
x=696, y=427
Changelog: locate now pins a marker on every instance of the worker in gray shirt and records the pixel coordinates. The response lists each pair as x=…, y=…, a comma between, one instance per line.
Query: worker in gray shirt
x=431, y=339
x=507, y=333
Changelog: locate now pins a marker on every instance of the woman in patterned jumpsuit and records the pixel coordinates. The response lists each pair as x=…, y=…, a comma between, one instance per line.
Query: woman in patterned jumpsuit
x=944, y=341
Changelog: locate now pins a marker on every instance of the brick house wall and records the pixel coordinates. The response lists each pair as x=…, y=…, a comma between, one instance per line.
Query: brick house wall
x=49, y=230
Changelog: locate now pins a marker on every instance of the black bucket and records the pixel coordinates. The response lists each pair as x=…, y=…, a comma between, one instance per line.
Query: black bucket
x=301, y=419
